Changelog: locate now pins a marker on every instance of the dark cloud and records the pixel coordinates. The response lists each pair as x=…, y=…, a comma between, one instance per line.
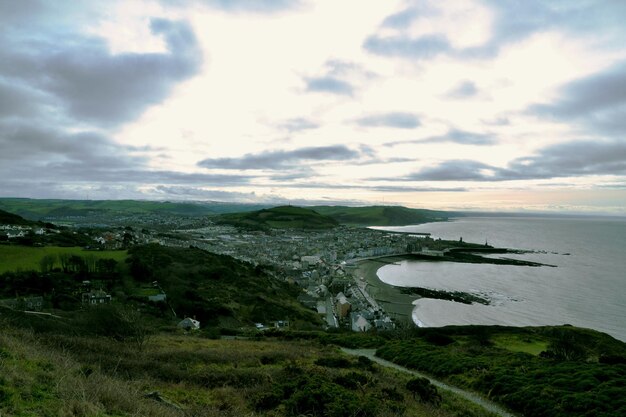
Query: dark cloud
x=298, y=124
x=329, y=85
x=424, y=47
x=25, y=144
x=85, y=81
x=31, y=155
x=572, y=159
x=400, y=120
x=280, y=159
x=597, y=101
x=464, y=89
x=17, y=100
x=453, y=170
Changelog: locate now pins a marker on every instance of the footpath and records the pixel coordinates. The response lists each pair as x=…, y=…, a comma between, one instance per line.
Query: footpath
x=474, y=398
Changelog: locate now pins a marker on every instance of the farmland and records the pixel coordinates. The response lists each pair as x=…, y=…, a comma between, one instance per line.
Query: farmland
x=25, y=258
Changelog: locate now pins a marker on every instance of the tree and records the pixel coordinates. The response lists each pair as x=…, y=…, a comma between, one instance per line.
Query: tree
x=64, y=260
x=566, y=345
x=121, y=323
x=47, y=263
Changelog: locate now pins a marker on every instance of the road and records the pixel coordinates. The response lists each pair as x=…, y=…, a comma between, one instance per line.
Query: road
x=486, y=404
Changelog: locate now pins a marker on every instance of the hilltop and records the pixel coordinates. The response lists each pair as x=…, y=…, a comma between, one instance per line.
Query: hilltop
x=381, y=215
x=283, y=217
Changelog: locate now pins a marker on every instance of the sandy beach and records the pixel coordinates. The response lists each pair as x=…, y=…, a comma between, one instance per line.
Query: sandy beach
x=397, y=305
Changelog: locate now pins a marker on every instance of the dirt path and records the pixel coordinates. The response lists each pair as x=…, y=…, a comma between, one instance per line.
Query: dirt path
x=486, y=404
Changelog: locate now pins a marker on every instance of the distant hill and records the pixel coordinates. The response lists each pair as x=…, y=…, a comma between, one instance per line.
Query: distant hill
x=14, y=219
x=54, y=209
x=283, y=217
x=381, y=215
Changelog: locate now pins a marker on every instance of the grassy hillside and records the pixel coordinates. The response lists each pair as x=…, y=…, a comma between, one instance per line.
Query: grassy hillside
x=284, y=217
x=13, y=219
x=380, y=215
x=69, y=373
x=28, y=258
x=549, y=371
x=217, y=289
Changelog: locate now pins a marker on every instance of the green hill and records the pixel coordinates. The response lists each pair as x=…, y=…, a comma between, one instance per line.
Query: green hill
x=40, y=209
x=215, y=288
x=284, y=217
x=381, y=215
x=13, y=219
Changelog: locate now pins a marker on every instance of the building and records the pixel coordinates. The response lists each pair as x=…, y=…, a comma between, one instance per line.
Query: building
x=189, y=324
x=96, y=297
x=342, y=305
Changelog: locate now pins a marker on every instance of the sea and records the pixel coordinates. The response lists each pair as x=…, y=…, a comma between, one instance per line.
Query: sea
x=585, y=288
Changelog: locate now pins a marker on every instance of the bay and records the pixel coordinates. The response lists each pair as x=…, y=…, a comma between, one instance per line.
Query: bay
x=587, y=288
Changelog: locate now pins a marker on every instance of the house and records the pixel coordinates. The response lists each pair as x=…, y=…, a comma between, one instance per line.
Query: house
x=96, y=297
x=359, y=323
x=188, y=324
x=342, y=305
x=23, y=303
x=281, y=324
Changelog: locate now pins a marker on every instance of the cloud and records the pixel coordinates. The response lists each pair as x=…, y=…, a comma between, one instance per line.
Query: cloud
x=571, y=159
x=453, y=170
x=338, y=77
x=465, y=89
x=84, y=81
x=400, y=20
x=454, y=136
x=513, y=21
x=462, y=137
x=240, y=6
x=424, y=47
x=598, y=101
x=400, y=120
x=203, y=193
x=279, y=159
x=31, y=154
x=298, y=124
x=329, y=85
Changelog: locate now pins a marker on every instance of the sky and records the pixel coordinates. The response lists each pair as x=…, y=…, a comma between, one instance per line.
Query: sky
x=492, y=105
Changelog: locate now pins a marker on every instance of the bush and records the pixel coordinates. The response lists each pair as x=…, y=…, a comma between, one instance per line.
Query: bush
x=333, y=362
x=422, y=388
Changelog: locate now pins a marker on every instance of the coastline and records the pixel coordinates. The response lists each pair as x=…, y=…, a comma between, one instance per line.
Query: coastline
x=395, y=303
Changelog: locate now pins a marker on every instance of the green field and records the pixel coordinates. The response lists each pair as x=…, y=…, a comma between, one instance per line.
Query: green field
x=520, y=343
x=25, y=258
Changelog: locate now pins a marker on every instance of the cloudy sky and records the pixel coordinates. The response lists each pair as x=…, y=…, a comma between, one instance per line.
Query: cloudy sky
x=447, y=104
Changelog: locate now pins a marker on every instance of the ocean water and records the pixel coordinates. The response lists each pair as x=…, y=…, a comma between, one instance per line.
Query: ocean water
x=587, y=288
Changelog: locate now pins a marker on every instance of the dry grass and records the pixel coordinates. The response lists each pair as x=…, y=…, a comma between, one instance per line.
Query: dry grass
x=70, y=376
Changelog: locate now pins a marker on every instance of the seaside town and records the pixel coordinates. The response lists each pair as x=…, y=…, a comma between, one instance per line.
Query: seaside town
x=321, y=262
